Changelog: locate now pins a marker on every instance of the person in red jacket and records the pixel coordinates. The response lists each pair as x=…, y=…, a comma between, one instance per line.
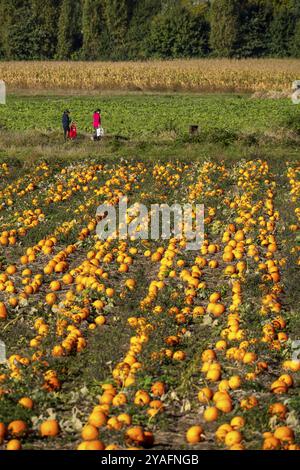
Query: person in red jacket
x=96, y=122
x=73, y=131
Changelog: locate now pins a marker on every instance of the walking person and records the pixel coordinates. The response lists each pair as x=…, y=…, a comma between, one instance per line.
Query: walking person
x=97, y=123
x=66, y=124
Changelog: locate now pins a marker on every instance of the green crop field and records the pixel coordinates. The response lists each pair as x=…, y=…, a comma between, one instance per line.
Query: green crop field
x=137, y=116
x=150, y=125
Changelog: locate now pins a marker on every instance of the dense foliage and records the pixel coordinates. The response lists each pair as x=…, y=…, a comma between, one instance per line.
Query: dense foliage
x=141, y=29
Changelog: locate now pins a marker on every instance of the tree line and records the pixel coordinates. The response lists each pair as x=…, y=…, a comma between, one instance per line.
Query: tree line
x=143, y=29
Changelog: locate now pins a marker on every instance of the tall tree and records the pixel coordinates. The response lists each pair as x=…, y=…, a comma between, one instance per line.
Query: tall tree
x=255, y=37
x=177, y=32
x=17, y=30
x=295, y=41
x=45, y=30
x=93, y=27
x=282, y=27
x=117, y=15
x=225, y=27
x=140, y=25
x=3, y=29
x=69, y=29
x=119, y=29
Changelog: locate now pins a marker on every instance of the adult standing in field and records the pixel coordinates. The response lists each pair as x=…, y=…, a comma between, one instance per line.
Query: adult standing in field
x=66, y=123
x=97, y=123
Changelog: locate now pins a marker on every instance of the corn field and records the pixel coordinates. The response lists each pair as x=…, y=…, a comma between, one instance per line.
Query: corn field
x=206, y=75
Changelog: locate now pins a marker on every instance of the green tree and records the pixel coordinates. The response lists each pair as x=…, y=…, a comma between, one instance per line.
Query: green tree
x=17, y=30
x=140, y=25
x=178, y=33
x=69, y=29
x=225, y=27
x=254, y=29
x=295, y=41
x=45, y=29
x=117, y=17
x=119, y=29
x=3, y=30
x=282, y=29
x=93, y=27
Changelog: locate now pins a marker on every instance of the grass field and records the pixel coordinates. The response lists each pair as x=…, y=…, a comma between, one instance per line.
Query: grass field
x=130, y=344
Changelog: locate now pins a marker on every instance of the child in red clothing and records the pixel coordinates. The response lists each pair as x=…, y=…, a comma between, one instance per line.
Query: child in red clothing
x=73, y=131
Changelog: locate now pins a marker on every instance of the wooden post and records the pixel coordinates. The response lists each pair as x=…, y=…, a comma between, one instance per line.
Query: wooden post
x=194, y=129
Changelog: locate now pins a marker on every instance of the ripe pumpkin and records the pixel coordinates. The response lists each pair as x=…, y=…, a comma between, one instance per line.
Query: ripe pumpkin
x=205, y=395
x=68, y=279
x=135, y=434
x=232, y=438
x=237, y=422
x=49, y=428
x=194, y=434
x=213, y=375
x=130, y=284
x=94, y=445
x=112, y=447
x=110, y=292
x=97, y=419
x=114, y=423
x=211, y=414
x=158, y=389
x=222, y=431
x=14, y=444
x=271, y=443
x=89, y=433
x=284, y=434
x=278, y=409
x=125, y=418
x=26, y=402
x=224, y=405
x=100, y=320
x=2, y=432
x=55, y=286
x=3, y=311
x=235, y=382
x=142, y=398
x=17, y=428
x=51, y=299
x=119, y=400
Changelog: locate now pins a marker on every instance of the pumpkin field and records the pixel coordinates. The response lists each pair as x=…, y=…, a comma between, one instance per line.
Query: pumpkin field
x=136, y=344
x=133, y=343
